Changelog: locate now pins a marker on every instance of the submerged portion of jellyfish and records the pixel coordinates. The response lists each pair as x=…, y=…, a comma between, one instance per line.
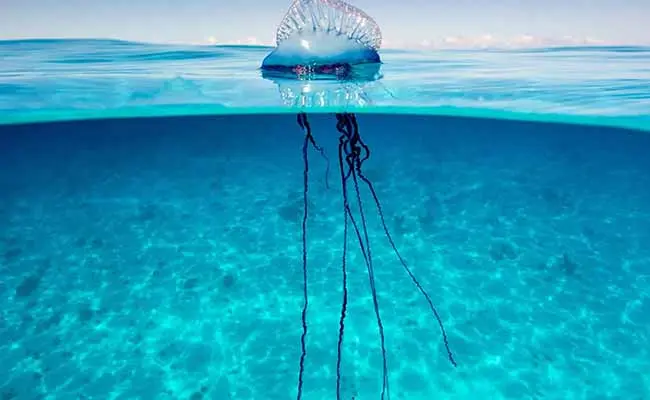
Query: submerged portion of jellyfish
x=353, y=152
x=324, y=37
x=326, y=92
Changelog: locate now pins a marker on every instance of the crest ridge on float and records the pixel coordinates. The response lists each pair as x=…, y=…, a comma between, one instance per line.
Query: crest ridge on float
x=330, y=16
x=325, y=37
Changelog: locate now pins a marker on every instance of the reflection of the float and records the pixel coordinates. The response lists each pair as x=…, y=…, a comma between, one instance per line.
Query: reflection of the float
x=324, y=91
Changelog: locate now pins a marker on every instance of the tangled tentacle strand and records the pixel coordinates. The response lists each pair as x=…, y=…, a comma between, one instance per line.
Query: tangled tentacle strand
x=352, y=153
x=415, y=281
x=350, y=140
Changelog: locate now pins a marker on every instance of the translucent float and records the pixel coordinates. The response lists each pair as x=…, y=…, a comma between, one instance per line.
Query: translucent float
x=325, y=39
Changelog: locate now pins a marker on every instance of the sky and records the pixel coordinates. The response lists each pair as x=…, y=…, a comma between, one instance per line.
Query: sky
x=404, y=23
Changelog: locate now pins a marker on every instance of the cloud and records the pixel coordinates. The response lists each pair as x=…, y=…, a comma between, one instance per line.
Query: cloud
x=491, y=41
x=249, y=41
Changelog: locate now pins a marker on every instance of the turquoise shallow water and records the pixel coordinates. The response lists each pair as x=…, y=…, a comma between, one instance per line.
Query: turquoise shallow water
x=63, y=79
x=161, y=257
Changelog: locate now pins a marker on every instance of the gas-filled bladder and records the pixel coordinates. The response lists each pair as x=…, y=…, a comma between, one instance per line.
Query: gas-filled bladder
x=325, y=39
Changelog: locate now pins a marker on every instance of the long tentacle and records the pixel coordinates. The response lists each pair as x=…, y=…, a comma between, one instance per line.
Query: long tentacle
x=353, y=151
x=450, y=355
x=302, y=121
x=304, y=124
x=344, y=284
x=373, y=288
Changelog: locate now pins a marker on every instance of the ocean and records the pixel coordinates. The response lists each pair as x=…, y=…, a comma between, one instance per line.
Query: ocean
x=154, y=225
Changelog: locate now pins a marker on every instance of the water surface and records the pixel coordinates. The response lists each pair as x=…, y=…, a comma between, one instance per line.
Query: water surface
x=63, y=79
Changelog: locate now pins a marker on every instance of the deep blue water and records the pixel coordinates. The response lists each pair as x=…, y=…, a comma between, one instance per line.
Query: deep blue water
x=151, y=205
x=161, y=259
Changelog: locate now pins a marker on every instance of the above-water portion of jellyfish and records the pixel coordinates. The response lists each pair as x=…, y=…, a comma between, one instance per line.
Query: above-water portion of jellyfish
x=323, y=39
x=324, y=47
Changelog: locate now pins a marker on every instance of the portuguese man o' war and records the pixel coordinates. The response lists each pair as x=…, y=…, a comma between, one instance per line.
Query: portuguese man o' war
x=323, y=38
x=330, y=39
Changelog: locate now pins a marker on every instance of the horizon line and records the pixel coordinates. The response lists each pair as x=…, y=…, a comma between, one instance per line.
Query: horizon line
x=450, y=42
